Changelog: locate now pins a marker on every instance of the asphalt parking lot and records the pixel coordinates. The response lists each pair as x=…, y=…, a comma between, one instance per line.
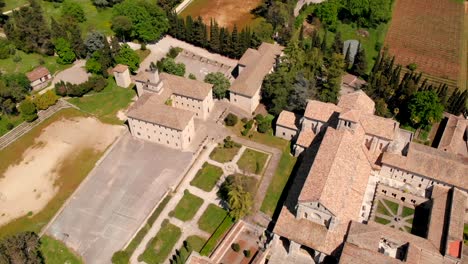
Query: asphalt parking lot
x=117, y=196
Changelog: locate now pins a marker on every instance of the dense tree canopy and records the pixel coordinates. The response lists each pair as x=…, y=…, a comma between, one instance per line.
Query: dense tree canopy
x=170, y=66
x=220, y=84
x=64, y=51
x=148, y=21
x=424, y=109
x=28, y=110
x=21, y=248
x=73, y=10
x=128, y=57
x=28, y=30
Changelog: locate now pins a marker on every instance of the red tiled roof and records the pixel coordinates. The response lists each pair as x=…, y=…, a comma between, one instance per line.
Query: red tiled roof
x=37, y=73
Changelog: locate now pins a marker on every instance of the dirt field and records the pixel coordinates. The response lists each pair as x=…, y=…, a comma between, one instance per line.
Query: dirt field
x=27, y=186
x=225, y=12
x=428, y=33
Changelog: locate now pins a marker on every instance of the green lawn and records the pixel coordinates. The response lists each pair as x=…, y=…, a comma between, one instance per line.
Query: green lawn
x=376, y=35
x=12, y=4
x=381, y=208
x=144, y=230
x=211, y=218
x=221, y=230
x=55, y=252
x=72, y=171
x=222, y=154
x=267, y=139
x=159, y=248
x=195, y=243
x=30, y=61
x=105, y=104
x=392, y=206
x=277, y=184
x=252, y=161
x=410, y=221
x=207, y=177
x=4, y=120
x=381, y=221
x=187, y=207
x=96, y=19
x=407, y=211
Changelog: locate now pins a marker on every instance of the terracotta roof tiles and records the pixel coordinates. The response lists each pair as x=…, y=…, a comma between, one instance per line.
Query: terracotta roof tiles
x=120, y=68
x=37, y=73
x=287, y=119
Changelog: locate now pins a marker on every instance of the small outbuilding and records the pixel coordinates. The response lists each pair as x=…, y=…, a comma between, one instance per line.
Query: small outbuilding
x=39, y=77
x=122, y=75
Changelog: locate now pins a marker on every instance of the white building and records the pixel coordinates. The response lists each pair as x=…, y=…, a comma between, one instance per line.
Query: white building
x=166, y=108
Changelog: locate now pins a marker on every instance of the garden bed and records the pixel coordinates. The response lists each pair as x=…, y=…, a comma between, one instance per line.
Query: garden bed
x=187, y=207
x=207, y=177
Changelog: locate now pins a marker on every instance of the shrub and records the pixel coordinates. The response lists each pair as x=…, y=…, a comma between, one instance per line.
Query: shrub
x=9, y=126
x=173, y=52
x=229, y=143
x=192, y=76
x=412, y=66
x=28, y=110
x=45, y=100
x=143, y=46
x=247, y=253
x=121, y=257
x=244, y=120
x=96, y=83
x=231, y=119
x=235, y=247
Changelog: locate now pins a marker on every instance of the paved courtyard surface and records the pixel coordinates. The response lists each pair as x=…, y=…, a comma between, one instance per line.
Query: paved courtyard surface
x=117, y=196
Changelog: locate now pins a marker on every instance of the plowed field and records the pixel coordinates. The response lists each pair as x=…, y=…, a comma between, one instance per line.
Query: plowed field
x=428, y=33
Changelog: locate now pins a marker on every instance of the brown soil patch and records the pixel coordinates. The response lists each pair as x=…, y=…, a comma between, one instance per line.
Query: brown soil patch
x=29, y=185
x=429, y=34
x=226, y=12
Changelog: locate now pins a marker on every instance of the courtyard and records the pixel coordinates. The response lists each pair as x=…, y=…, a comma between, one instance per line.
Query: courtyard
x=393, y=213
x=196, y=219
x=200, y=66
x=117, y=196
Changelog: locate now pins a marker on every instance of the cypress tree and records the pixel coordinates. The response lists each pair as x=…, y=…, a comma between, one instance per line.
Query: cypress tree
x=337, y=46
x=360, y=63
x=316, y=41
x=235, y=50
x=323, y=46
x=76, y=42
x=57, y=31
x=214, y=37
x=189, y=29
x=348, y=61
x=301, y=36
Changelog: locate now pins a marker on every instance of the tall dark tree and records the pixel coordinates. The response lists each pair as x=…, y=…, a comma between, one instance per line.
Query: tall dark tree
x=214, y=36
x=316, y=41
x=29, y=31
x=235, y=50
x=77, y=43
x=57, y=31
x=360, y=62
x=347, y=57
x=323, y=46
x=301, y=36
x=21, y=248
x=337, y=46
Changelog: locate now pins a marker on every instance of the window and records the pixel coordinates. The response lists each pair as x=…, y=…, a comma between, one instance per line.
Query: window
x=167, y=142
x=138, y=133
x=189, y=139
x=235, y=99
x=284, y=133
x=149, y=137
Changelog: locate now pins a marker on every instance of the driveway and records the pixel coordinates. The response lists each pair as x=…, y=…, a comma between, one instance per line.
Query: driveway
x=117, y=196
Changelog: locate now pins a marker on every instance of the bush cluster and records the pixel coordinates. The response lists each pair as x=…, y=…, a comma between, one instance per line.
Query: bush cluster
x=46, y=100
x=247, y=127
x=235, y=247
x=264, y=123
x=95, y=83
x=231, y=119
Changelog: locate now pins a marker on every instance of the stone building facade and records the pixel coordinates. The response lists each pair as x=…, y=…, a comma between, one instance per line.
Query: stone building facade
x=166, y=108
x=252, y=68
x=122, y=75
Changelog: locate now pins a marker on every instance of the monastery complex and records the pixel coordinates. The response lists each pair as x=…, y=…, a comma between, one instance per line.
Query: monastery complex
x=364, y=192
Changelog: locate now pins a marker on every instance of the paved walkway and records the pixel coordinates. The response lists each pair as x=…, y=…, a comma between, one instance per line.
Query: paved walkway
x=25, y=127
x=161, y=48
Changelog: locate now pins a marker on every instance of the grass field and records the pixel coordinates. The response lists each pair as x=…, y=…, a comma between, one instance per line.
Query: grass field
x=55, y=252
x=144, y=230
x=266, y=139
x=28, y=62
x=75, y=169
x=252, y=161
x=277, y=184
x=106, y=104
x=159, y=248
x=407, y=211
x=428, y=33
x=96, y=19
x=381, y=221
x=187, y=207
x=225, y=12
x=222, y=154
x=194, y=243
x=207, y=177
x=211, y=218
x=223, y=227
x=4, y=120
x=12, y=4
